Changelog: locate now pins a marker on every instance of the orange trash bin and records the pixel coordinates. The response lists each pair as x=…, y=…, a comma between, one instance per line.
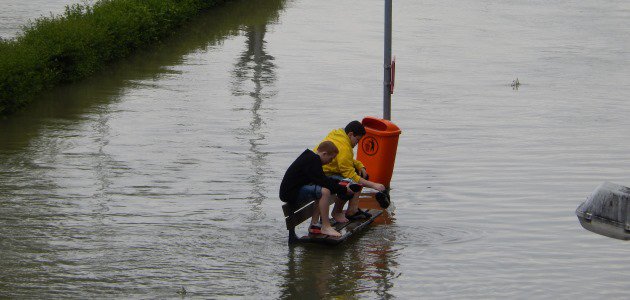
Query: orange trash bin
x=377, y=149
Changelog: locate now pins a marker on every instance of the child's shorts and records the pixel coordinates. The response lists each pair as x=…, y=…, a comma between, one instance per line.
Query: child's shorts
x=338, y=177
x=341, y=178
x=309, y=192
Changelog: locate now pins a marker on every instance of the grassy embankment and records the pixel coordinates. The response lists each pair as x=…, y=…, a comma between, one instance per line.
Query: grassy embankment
x=66, y=48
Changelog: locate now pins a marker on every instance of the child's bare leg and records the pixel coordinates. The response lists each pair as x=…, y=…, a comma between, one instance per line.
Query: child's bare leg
x=327, y=229
x=353, y=205
x=316, y=214
x=337, y=212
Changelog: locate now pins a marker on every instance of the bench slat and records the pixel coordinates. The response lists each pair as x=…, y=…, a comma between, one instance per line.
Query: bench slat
x=295, y=214
x=299, y=216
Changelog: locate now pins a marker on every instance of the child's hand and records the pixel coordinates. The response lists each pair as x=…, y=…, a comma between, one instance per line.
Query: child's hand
x=348, y=190
x=351, y=188
x=363, y=173
x=378, y=186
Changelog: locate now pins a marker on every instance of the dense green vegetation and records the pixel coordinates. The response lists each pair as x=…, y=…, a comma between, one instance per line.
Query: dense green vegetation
x=65, y=48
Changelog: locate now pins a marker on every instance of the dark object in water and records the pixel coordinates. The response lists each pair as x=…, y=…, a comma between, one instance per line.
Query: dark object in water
x=182, y=291
x=607, y=211
x=383, y=199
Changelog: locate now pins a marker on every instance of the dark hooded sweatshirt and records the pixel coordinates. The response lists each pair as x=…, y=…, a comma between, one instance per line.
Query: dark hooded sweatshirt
x=306, y=169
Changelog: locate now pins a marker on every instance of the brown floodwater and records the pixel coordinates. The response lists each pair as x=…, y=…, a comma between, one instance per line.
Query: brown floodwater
x=162, y=172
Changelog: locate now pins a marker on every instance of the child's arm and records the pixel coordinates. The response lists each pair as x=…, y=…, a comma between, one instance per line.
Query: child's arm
x=358, y=165
x=347, y=166
x=317, y=176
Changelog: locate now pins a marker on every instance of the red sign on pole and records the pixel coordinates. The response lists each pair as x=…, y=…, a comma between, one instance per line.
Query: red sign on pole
x=391, y=84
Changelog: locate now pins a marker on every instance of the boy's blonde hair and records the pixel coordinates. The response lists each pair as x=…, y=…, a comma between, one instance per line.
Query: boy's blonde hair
x=327, y=146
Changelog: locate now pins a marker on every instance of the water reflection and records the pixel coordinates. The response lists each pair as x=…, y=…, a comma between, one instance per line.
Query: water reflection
x=103, y=163
x=75, y=215
x=253, y=78
x=362, y=267
x=71, y=102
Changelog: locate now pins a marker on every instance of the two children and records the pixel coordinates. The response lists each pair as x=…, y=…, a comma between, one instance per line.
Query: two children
x=315, y=175
x=345, y=166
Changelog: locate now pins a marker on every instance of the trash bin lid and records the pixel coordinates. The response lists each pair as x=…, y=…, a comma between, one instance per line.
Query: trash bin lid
x=380, y=127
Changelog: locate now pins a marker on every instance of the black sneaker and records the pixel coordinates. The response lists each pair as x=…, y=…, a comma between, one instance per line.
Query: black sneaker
x=383, y=199
x=360, y=214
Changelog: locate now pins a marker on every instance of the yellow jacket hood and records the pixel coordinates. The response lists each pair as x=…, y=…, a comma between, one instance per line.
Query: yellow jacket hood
x=344, y=164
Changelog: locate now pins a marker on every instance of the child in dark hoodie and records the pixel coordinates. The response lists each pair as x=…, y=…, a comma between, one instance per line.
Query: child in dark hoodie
x=304, y=180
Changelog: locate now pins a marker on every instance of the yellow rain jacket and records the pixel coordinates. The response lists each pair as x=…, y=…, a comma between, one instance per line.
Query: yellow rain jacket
x=344, y=164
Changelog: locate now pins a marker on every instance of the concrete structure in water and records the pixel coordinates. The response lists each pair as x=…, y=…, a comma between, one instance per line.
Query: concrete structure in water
x=607, y=211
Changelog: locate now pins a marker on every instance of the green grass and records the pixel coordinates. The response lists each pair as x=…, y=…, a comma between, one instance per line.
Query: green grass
x=71, y=46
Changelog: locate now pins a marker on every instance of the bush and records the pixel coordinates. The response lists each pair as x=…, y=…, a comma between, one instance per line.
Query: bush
x=66, y=48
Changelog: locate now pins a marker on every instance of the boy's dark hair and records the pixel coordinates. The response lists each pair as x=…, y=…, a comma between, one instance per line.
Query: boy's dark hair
x=355, y=127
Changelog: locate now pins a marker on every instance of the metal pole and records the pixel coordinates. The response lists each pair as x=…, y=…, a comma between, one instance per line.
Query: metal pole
x=387, y=77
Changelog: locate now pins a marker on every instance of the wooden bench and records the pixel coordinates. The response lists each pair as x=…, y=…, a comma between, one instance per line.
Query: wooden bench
x=296, y=213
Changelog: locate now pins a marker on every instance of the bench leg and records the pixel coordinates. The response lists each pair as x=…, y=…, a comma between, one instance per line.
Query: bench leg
x=292, y=236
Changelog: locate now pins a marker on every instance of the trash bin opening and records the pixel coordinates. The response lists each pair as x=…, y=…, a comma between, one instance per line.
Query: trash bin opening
x=380, y=127
x=374, y=123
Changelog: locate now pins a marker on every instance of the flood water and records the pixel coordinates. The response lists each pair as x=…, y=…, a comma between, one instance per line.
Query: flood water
x=163, y=171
